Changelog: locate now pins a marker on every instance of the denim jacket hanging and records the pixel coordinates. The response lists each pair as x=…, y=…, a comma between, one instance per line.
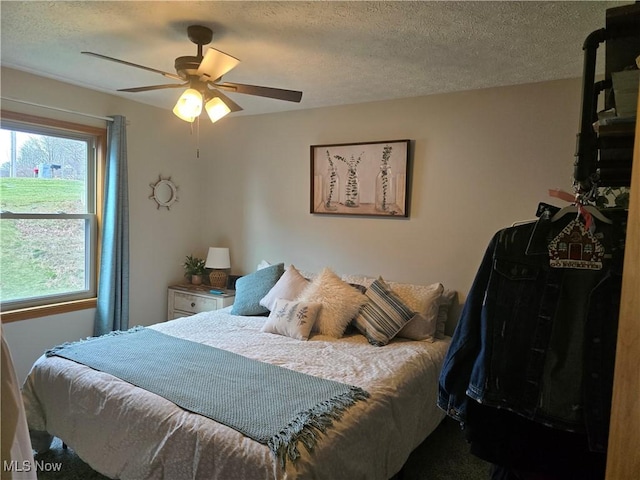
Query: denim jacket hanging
x=535, y=340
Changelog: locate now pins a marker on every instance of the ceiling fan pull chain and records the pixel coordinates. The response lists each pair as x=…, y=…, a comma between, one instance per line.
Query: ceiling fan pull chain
x=198, y=138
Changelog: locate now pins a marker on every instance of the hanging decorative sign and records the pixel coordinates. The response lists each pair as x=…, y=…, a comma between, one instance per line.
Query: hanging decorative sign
x=576, y=247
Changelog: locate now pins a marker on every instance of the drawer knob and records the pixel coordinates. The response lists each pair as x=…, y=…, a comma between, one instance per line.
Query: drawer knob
x=193, y=304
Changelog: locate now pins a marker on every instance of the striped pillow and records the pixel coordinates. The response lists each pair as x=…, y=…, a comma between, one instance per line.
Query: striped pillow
x=383, y=316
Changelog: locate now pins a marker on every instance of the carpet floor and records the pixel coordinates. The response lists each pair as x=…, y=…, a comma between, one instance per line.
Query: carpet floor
x=444, y=455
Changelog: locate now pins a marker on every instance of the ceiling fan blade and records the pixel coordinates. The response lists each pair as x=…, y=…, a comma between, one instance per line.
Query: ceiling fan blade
x=277, y=93
x=215, y=64
x=153, y=87
x=104, y=57
x=233, y=106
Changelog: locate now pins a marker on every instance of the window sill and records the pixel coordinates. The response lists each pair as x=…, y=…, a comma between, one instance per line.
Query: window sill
x=46, y=310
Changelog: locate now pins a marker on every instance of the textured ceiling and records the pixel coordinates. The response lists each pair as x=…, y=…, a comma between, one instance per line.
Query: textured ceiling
x=335, y=52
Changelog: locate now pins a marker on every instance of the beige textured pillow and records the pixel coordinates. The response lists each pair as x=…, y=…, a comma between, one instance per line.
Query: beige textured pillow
x=363, y=280
x=424, y=300
x=418, y=328
x=288, y=287
x=340, y=302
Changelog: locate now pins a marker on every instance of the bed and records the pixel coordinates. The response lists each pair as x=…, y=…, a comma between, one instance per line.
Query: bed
x=123, y=431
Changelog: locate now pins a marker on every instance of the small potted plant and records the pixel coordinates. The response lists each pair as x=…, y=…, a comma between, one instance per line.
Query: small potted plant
x=194, y=269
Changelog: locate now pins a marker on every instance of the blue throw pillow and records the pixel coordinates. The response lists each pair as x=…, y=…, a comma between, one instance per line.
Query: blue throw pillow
x=251, y=288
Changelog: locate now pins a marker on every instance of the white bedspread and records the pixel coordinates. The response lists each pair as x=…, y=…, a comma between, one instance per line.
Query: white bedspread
x=125, y=432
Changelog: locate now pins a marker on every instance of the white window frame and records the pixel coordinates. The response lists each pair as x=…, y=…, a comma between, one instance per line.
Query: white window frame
x=95, y=138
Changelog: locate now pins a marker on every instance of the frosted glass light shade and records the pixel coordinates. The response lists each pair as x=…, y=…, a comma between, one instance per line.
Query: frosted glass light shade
x=216, y=109
x=189, y=105
x=218, y=258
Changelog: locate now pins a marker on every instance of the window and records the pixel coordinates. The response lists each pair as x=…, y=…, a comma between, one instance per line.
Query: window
x=49, y=202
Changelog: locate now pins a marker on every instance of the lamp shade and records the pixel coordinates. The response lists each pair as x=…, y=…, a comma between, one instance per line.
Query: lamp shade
x=216, y=109
x=189, y=105
x=218, y=258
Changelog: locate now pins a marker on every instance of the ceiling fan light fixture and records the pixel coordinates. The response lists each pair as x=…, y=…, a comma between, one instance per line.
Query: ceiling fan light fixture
x=189, y=105
x=202, y=75
x=216, y=109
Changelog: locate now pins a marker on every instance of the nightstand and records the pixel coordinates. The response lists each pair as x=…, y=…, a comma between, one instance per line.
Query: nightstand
x=185, y=300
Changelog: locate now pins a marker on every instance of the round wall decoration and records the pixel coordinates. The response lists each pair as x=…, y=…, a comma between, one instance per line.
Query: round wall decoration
x=164, y=192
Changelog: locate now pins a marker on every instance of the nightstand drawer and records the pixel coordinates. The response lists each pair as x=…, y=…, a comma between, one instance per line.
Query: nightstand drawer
x=193, y=303
x=186, y=300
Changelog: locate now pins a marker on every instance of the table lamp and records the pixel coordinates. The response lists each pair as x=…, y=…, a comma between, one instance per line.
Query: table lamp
x=218, y=260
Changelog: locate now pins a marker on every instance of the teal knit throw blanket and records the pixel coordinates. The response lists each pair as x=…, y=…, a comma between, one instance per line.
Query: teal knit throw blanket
x=273, y=405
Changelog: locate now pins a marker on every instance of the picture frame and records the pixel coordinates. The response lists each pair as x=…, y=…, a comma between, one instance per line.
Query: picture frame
x=368, y=178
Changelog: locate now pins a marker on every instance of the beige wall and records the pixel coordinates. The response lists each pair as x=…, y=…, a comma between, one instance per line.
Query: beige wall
x=481, y=159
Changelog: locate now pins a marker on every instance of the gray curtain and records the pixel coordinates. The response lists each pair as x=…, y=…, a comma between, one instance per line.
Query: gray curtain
x=112, y=312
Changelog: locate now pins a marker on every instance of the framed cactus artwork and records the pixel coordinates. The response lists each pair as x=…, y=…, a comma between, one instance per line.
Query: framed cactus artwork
x=369, y=178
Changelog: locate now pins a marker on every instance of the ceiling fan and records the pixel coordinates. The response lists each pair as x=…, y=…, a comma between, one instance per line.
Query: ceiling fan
x=202, y=76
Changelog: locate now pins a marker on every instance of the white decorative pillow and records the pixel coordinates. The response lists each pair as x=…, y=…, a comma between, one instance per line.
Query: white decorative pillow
x=292, y=319
x=288, y=287
x=423, y=299
x=443, y=312
x=340, y=302
x=262, y=264
x=382, y=317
